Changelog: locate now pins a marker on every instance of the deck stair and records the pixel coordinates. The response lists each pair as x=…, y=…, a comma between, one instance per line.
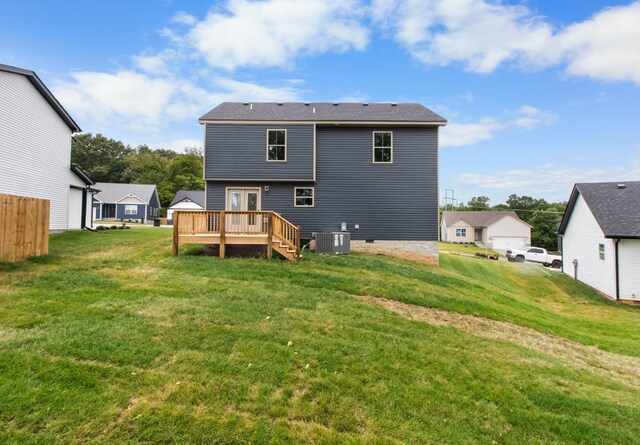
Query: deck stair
x=220, y=227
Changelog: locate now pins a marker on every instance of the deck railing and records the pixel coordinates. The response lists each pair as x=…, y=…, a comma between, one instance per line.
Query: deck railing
x=223, y=223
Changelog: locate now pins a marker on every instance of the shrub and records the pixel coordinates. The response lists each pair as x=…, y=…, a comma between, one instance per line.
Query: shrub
x=127, y=227
x=101, y=228
x=113, y=227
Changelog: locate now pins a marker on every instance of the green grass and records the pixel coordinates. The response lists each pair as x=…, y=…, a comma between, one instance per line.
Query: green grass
x=465, y=248
x=110, y=339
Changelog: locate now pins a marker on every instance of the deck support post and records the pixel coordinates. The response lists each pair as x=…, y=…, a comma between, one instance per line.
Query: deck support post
x=298, y=242
x=270, y=236
x=176, y=236
x=222, y=233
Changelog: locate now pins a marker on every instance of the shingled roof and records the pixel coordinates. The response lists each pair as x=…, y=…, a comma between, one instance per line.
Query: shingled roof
x=323, y=112
x=111, y=192
x=196, y=196
x=614, y=205
x=477, y=219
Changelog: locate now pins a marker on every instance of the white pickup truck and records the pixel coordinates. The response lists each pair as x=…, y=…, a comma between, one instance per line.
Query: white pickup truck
x=535, y=255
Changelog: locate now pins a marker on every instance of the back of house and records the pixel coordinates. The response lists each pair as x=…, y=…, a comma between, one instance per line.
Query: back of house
x=371, y=167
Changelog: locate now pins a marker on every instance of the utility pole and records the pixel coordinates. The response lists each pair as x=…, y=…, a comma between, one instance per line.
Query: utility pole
x=448, y=199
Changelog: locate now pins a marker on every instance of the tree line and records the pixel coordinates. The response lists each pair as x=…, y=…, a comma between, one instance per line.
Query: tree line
x=542, y=215
x=109, y=160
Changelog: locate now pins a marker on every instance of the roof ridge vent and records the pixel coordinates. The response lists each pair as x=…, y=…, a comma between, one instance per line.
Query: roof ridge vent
x=306, y=104
x=245, y=103
x=335, y=104
x=365, y=104
x=621, y=186
x=279, y=104
x=393, y=104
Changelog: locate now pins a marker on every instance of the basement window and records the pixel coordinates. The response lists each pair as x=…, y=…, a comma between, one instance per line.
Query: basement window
x=461, y=232
x=601, y=251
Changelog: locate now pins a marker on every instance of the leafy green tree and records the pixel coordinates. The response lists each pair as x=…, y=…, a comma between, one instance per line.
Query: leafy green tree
x=479, y=203
x=104, y=159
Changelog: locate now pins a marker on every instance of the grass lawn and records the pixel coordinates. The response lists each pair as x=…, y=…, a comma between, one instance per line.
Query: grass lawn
x=465, y=248
x=110, y=339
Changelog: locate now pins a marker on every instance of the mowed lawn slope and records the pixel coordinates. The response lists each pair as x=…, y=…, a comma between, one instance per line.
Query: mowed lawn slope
x=111, y=340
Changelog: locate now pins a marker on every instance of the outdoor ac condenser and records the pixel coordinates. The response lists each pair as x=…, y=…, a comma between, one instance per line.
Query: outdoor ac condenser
x=335, y=242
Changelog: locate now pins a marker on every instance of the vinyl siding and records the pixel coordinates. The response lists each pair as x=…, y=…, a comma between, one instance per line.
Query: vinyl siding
x=629, y=265
x=35, y=148
x=240, y=152
x=120, y=214
x=580, y=241
x=460, y=239
x=389, y=201
x=508, y=226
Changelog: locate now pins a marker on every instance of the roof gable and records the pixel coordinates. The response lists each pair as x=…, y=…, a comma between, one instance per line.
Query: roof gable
x=111, y=193
x=44, y=91
x=196, y=196
x=478, y=218
x=323, y=111
x=616, y=209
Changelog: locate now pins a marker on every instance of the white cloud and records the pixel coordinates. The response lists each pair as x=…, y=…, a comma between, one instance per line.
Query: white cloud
x=526, y=117
x=460, y=135
x=134, y=101
x=547, y=180
x=485, y=35
x=182, y=18
x=529, y=117
x=273, y=33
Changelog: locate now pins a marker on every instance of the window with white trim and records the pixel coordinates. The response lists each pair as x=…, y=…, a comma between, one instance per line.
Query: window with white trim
x=303, y=196
x=601, y=251
x=383, y=147
x=277, y=145
x=130, y=209
x=461, y=232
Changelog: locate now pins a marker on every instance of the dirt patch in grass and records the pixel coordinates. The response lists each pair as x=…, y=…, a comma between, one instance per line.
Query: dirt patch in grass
x=620, y=367
x=398, y=253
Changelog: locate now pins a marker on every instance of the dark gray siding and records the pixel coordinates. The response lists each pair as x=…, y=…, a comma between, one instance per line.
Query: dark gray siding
x=121, y=215
x=396, y=201
x=240, y=152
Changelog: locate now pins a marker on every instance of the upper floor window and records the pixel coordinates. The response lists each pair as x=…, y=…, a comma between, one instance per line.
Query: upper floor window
x=461, y=232
x=303, y=196
x=277, y=145
x=383, y=147
x=130, y=209
x=601, y=251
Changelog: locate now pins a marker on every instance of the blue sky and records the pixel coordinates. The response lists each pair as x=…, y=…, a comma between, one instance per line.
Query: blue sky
x=538, y=94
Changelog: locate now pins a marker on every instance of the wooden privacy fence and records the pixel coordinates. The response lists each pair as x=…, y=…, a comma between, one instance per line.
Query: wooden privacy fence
x=24, y=227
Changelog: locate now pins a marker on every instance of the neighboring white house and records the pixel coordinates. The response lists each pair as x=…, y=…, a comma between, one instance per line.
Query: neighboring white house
x=600, y=237
x=192, y=200
x=497, y=229
x=35, y=149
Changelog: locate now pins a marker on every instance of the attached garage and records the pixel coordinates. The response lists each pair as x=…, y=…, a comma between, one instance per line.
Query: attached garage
x=509, y=242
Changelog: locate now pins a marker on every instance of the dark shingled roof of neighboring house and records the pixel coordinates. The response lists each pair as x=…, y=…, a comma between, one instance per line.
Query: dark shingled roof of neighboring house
x=478, y=218
x=614, y=205
x=323, y=112
x=196, y=196
x=44, y=91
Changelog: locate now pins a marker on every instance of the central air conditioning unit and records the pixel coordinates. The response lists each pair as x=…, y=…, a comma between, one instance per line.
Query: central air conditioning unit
x=335, y=242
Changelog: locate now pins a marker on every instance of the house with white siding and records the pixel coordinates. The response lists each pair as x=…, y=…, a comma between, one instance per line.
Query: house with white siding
x=600, y=238
x=497, y=229
x=186, y=200
x=35, y=150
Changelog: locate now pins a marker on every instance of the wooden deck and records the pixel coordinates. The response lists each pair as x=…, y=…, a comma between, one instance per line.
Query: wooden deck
x=220, y=227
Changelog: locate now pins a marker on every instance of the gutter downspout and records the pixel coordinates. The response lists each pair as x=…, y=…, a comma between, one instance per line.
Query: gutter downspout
x=83, y=221
x=617, y=270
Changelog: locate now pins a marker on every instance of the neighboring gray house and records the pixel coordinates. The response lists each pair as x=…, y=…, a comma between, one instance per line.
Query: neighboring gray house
x=498, y=229
x=371, y=166
x=191, y=200
x=600, y=237
x=125, y=201
x=35, y=150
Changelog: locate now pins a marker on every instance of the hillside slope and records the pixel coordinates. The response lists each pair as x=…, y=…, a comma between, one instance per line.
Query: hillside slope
x=112, y=340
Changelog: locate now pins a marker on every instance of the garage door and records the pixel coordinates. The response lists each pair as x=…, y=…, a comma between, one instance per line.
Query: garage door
x=508, y=242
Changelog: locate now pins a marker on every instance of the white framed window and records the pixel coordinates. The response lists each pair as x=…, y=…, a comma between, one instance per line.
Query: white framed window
x=601, y=251
x=303, y=197
x=383, y=147
x=277, y=145
x=130, y=209
x=461, y=232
